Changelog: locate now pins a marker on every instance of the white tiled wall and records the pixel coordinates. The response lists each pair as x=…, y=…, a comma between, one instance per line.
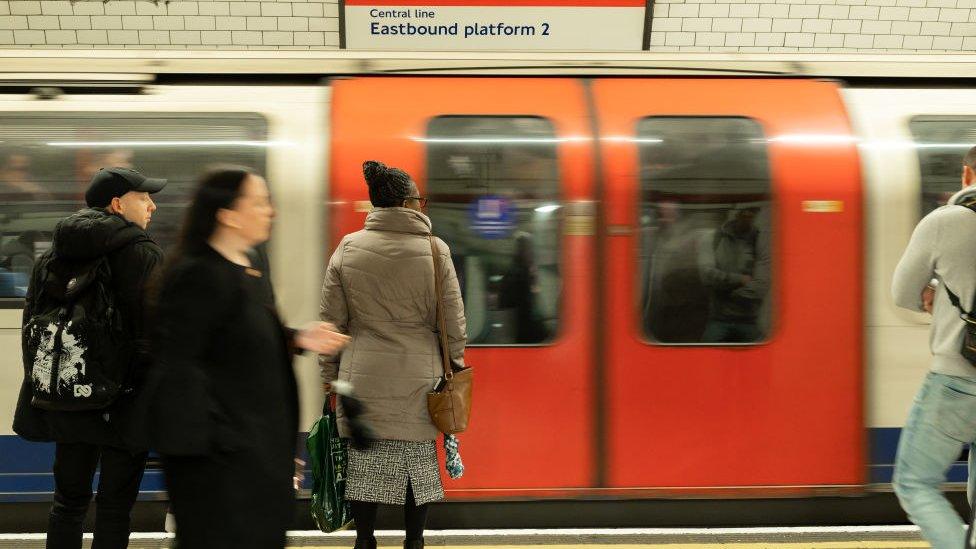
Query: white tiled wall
x=678, y=25
x=869, y=26
x=246, y=24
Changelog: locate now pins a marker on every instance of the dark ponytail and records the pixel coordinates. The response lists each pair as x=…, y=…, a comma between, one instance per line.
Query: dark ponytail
x=388, y=187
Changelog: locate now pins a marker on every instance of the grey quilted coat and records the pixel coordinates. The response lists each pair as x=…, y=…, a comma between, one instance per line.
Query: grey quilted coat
x=379, y=289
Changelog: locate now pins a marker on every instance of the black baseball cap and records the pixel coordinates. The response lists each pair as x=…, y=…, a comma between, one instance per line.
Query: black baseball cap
x=111, y=182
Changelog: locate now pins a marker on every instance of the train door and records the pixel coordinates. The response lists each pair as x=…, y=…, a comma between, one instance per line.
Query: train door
x=507, y=167
x=733, y=292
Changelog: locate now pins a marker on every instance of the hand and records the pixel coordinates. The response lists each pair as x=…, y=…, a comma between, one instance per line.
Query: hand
x=299, y=474
x=327, y=387
x=321, y=337
x=928, y=294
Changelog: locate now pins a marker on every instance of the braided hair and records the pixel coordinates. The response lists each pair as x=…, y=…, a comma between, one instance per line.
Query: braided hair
x=388, y=187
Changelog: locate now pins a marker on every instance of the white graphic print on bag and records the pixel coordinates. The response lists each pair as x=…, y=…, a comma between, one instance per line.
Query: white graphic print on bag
x=72, y=364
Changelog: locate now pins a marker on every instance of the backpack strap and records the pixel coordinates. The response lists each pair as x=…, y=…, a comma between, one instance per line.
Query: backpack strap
x=969, y=204
x=955, y=300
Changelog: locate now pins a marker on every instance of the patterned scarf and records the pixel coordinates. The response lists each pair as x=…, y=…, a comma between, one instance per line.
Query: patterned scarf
x=455, y=469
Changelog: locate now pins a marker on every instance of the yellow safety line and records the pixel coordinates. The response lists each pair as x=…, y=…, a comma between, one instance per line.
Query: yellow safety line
x=732, y=545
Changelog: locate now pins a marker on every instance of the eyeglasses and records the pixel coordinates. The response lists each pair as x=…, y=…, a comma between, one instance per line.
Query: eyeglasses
x=421, y=199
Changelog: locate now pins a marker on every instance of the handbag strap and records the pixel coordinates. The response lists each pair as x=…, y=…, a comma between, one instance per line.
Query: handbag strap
x=438, y=294
x=969, y=204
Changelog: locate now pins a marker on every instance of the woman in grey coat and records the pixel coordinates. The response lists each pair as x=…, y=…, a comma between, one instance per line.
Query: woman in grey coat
x=379, y=289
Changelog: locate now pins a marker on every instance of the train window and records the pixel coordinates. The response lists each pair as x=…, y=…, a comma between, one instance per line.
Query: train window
x=47, y=160
x=704, y=243
x=941, y=142
x=493, y=184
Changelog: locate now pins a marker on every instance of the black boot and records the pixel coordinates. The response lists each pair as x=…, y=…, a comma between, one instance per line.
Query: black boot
x=365, y=544
x=414, y=544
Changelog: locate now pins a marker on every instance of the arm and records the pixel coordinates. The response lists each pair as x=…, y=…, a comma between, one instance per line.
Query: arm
x=333, y=308
x=917, y=265
x=31, y=298
x=453, y=306
x=758, y=287
x=193, y=302
x=132, y=270
x=711, y=275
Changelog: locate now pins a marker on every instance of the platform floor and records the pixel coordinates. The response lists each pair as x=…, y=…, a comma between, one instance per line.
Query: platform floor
x=854, y=537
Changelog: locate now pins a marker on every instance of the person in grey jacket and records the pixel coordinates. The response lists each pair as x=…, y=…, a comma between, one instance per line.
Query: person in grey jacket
x=379, y=289
x=734, y=265
x=943, y=417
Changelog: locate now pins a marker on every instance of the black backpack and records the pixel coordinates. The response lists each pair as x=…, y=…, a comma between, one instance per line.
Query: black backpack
x=76, y=350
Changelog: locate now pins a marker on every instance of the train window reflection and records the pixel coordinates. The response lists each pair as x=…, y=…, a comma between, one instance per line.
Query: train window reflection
x=493, y=185
x=47, y=160
x=941, y=142
x=704, y=244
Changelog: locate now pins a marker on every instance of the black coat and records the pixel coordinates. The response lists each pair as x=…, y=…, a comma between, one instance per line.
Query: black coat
x=223, y=400
x=133, y=256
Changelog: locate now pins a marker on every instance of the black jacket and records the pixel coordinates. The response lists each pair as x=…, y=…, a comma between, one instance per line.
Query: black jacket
x=221, y=379
x=133, y=256
x=223, y=402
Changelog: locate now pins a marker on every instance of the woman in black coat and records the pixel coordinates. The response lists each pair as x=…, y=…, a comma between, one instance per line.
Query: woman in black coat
x=224, y=406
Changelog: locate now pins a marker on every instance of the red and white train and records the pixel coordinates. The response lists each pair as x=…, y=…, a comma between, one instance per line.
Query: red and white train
x=592, y=203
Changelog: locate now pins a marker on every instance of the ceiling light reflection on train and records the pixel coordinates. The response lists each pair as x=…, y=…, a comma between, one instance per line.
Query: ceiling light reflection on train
x=499, y=140
x=220, y=143
x=628, y=139
x=548, y=208
x=906, y=144
x=813, y=139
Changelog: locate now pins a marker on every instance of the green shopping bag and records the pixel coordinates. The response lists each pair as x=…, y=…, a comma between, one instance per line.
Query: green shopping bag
x=327, y=455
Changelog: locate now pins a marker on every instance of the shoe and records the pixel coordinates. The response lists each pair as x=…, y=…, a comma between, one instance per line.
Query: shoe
x=365, y=544
x=414, y=544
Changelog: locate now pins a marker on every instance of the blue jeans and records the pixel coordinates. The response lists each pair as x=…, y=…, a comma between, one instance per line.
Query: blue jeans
x=941, y=423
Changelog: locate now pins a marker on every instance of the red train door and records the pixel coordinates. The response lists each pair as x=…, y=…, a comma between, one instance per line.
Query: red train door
x=733, y=290
x=507, y=165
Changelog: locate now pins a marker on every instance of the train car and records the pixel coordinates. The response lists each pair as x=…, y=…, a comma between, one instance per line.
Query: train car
x=593, y=208
x=50, y=149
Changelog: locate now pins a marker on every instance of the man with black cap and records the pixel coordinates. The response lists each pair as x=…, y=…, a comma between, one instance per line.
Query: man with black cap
x=98, y=266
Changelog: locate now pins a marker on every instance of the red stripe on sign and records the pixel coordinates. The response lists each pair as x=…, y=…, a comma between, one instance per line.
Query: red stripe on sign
x=501, y=3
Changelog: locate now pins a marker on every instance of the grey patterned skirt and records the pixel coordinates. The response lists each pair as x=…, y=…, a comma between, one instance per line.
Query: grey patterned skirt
x=380, y=473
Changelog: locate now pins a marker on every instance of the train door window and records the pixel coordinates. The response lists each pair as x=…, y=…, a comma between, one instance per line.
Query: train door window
x=47, y=160
x=941, y=142
x=704, y=220
x=493, y=185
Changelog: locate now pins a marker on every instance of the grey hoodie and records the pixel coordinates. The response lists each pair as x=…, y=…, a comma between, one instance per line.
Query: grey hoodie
x=943, y=247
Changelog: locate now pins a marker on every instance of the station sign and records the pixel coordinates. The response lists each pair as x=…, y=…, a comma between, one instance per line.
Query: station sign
x=499, y=25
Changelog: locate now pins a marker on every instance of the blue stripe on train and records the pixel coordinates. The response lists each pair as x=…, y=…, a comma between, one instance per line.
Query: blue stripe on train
x=25, y=467
x=25, y=471
x=883, y=445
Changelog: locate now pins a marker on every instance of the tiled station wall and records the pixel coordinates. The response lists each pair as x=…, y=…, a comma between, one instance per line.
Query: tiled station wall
x=857, y=26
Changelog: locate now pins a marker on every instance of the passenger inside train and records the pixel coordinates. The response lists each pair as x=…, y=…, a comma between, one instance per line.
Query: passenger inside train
x=705, y=227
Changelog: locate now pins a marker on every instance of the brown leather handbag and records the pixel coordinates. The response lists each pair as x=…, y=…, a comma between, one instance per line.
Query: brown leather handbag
x=449, y=403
